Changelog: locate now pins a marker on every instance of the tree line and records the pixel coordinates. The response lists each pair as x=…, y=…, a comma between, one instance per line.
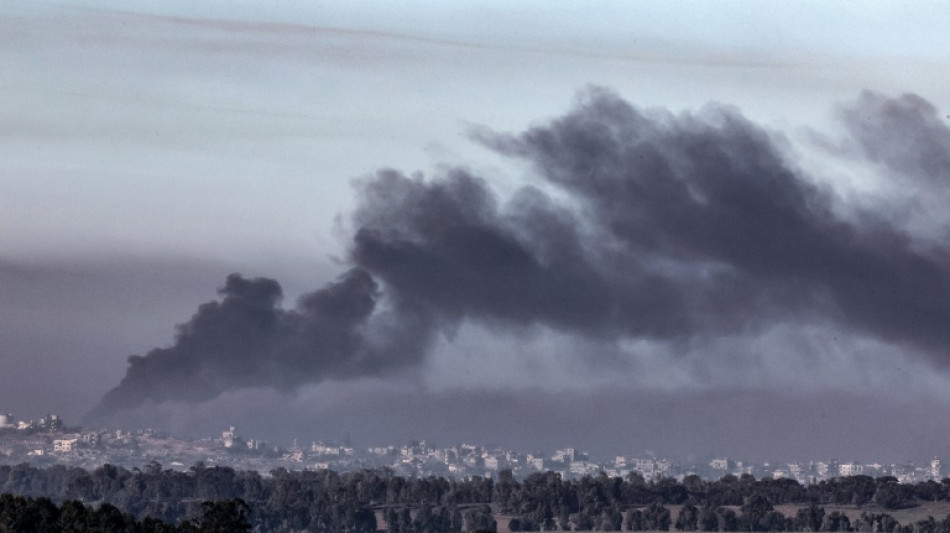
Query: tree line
x=22, y=514
x=328, y=502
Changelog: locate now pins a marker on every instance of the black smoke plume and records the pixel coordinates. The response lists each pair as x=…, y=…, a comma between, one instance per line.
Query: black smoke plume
x=246, y=339
x=680, y=226
x=645, y=225
x=906, y=134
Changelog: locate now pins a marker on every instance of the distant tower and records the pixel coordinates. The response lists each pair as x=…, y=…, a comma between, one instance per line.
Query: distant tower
x=935, y=468
x=228, y=437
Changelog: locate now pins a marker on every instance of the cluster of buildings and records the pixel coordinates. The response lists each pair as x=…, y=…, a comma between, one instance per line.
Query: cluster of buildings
x=464, y=460
x=818, y=470
x=48, y=441
x=47, y=423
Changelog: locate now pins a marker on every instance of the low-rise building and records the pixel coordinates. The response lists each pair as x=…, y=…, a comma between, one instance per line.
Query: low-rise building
x=66, y=443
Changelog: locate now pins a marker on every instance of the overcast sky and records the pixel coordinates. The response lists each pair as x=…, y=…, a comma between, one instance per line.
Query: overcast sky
x=689, y=228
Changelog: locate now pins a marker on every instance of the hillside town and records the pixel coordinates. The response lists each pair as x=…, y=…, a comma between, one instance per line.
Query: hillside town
x=48, y=441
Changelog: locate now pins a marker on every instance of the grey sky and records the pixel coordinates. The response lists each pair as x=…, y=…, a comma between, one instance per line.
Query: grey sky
x=151, y=149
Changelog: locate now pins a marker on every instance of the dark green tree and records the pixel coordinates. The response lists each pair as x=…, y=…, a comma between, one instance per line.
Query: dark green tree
x=688, y=518
x=225, y=516
x=810, y=518
x=656, y=517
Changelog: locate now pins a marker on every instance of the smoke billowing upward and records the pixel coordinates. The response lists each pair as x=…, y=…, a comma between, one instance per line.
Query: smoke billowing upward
x=906, y=134
x=665, y=227
x=683, y=226
x=247, y=340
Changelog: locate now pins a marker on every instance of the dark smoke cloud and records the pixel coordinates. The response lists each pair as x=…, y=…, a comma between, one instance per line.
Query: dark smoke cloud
x=688, y=225
x=678, y=228
x=906, y=134
x=246, y=339
x=448, y=247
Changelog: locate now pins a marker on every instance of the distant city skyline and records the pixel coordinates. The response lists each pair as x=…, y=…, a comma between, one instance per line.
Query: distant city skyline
x=50, y=441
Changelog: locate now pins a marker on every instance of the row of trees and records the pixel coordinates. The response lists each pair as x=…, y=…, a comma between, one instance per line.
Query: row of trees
x=543, y=501
x=327, y=502
x=21, y=514
x=755, y=514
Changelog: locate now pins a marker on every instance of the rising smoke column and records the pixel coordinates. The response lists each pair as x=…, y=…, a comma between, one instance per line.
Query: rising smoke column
x=679, y=226
x=905, y=134
x=246, y=339
x=668, y=227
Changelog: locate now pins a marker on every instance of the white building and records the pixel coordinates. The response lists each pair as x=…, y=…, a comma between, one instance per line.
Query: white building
x=228, y=437
x=583, y=467
x=66, y=444
x=535, y=462
x=383, y=450
x=564, y=456
x=320, y=448
x=646, y=467
x=850, y=469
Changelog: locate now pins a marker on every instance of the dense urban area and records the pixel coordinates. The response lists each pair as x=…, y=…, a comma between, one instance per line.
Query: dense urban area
x=49, y=441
